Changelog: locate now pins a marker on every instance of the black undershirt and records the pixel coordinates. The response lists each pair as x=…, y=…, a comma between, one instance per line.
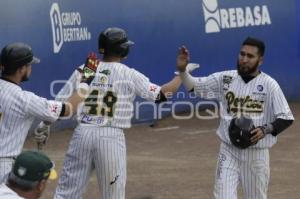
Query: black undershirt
x=248, y=78
x=161, y=98
x=280, y=125
x=63, y=110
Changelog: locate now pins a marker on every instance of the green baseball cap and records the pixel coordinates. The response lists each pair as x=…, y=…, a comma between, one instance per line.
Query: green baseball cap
x=33, y=166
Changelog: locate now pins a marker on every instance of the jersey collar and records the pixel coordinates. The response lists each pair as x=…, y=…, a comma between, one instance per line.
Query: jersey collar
x=248, y=78
x=5, y=79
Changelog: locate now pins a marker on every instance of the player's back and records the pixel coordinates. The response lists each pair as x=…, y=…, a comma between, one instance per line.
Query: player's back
x=113, y=91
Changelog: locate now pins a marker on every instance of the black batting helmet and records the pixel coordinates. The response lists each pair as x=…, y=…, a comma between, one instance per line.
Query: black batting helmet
x=114, y=41
x=16, y=55
x=239, y=131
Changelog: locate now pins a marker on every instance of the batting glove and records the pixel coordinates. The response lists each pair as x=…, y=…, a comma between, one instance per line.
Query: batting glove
x=42, y=133
x=189, y=68
x=90, y=68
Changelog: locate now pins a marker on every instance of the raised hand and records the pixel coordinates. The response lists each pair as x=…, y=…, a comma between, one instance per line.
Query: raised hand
x=183, y=58
x=90, y=68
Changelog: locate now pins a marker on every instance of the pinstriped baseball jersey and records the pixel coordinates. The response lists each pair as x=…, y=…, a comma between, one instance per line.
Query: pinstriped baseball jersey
x=112, y=92
x=18, y=110
x=98, y=141
x=261, y=98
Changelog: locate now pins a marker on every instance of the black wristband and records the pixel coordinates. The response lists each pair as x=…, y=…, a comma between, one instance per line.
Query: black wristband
x=161, y=98
x=267, y=128
x=63, y=110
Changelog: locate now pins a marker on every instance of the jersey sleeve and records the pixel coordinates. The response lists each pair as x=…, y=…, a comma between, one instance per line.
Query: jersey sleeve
x=143, y=87
x=280, y=105
x=41, y=108
x=208, y=87
x=70, y=85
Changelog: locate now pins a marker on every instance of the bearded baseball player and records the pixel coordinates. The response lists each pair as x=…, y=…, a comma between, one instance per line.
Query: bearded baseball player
x=253, y=113
x=19, y=108
x=98, y=142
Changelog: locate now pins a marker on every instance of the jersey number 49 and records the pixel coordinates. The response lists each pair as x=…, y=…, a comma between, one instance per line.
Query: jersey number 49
x=104, y=108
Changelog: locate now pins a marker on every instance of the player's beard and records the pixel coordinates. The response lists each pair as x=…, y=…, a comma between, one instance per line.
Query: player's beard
x=246, y=71
x=25, y=77
x=26, y=74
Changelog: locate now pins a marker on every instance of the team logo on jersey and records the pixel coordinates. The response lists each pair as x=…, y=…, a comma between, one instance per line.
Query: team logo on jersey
x=153, y=88
x=243, y=104
x=105, y=72
x=53, y=108
x=226, y=82
x=66, y=27
x=217, y=18
x=260, y=88
x=103, y=79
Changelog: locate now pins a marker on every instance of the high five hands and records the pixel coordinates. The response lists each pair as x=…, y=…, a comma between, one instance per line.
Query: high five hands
x=183, y=58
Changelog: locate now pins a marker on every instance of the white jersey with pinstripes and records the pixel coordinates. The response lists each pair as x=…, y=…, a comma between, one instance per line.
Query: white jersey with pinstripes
x=261, y=98
x=113, y=91
x=98, y=141
x=18, y=110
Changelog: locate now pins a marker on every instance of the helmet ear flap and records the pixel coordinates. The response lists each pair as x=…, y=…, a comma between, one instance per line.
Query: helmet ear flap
x=125, y=51
x=102, y=43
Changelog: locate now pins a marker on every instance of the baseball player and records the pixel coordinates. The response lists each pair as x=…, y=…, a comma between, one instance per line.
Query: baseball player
x=246, y=91
x=98, y=141
x=19, y=108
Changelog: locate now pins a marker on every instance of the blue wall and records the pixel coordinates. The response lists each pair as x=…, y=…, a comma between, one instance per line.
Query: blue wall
x=158, y=28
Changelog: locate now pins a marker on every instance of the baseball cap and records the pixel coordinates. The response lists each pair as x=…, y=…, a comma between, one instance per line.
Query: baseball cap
x=16, y=55
x=33, y=166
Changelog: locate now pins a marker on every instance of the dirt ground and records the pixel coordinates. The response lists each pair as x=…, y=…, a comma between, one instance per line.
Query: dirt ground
x=176, y=159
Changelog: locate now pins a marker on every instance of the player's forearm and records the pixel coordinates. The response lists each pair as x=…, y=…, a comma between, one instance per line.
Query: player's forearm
x=171, y=87
x=77, y=97
x=187, y=80
x=280, y=125
x=69, y=87
x=276, y=127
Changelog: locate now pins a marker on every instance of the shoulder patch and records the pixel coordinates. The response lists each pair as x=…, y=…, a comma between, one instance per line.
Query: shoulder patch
x=226, y=82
